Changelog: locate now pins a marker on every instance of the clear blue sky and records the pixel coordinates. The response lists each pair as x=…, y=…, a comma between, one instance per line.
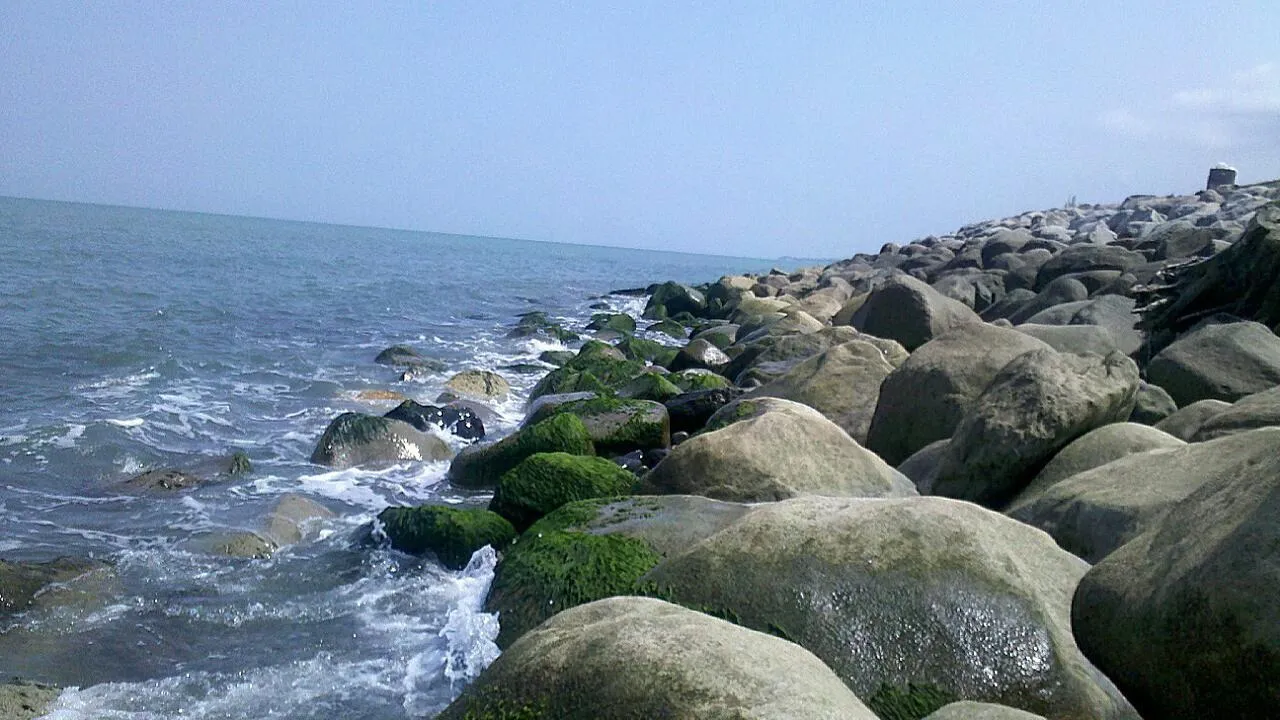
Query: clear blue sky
x=746, y=128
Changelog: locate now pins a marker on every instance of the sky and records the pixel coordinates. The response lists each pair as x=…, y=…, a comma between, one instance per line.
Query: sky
x=762, y=129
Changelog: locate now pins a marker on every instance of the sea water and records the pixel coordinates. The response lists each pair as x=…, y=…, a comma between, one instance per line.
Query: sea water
x=134, y=339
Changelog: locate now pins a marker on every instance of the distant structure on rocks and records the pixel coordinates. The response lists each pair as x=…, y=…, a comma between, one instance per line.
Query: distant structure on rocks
x=1219, y=175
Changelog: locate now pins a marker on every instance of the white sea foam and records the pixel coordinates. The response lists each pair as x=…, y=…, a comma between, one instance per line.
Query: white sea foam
x=126, y=422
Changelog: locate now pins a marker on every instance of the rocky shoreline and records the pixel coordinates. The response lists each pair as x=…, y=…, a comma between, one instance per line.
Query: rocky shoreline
x=1028, y=469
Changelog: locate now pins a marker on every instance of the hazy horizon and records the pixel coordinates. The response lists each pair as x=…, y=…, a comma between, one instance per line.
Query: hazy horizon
x=814, y=131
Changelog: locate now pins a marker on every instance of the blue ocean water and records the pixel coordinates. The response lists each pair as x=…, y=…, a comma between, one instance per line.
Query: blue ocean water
x=133, y=339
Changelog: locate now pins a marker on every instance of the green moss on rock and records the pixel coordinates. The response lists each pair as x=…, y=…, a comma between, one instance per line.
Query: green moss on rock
x=913, y=702
x=651, y=351
x=620, y=322
x=669, y=328
x=650, y=386
x=542, y=483
x=692, y=380
x=554, y=566
x=453, y=534
x=616, y=425
x=482, y=466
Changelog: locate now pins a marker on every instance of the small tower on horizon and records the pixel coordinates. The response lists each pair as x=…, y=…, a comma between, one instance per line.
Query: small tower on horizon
x=1219, y=175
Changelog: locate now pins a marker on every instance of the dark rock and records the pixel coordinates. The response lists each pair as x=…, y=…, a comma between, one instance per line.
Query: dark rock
x=163, y=479
x=405, y=356
x=619, y=322
x=689, y=412
x=1152, y=405
x=1084, y=258
x=355, y=439
x=459, y=421
x=670, y=299
x=700, y=354
x=909, y=311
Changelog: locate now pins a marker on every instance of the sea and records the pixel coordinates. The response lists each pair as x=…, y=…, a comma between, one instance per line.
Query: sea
x=135, y=339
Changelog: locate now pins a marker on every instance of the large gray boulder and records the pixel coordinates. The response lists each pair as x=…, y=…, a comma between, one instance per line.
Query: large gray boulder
x=1096, y=448
x=1185, y=618
x=1218, y=361
x=777, y=450
x=772, y=356
x=842, y=383
x=909, y=311
x=356, y=439
x=1094, y=512
x=901, y=594
x=1187, y=421
x=1034, y=407
x=634, y=657
x=1083, y=258
x=923, y=400
x=1249, y=412
x=1077, y=339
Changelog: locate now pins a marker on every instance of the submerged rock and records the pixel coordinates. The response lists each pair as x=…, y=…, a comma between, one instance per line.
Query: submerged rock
x=354, y=439
x=631, y=657
x=22, y=582
x=460, y=421
x=22, y=700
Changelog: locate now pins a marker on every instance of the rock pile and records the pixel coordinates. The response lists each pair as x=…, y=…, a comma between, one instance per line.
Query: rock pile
x=1075, y=561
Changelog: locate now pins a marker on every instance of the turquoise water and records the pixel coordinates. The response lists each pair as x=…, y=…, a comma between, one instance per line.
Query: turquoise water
x=135, y=339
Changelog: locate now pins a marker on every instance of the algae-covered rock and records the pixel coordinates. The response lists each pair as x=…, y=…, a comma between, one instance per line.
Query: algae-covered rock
x=649, y=386
x=537, y=324
x=1035, y=406
x=543, y=482
x=842, y=383
x=620, y=322
x=616, y=426
x=594, y=549
x=482, y=465
x=936, y=595
x=689, y=412
x=356, y=439
x=695, y=379
x=632, y=657
x=672, y=298
x=1185, y=618
x=699, y=354
x=597, y=368
x=771, y=449
x=669, y=328
x=453, y=534
x=924, y=399
x=634, y=348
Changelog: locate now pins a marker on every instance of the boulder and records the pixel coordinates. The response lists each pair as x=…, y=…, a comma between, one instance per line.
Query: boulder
x=1077, y=339
x=460, y=421
x=700, y=354
x=542, y=482
x=593, y=549
x=1061, y=291
x=598, y=368
x=1083, y=258
x=22, y=700
x=1185, y=618
x=632, y=657
x=618, y=322
x=355, y=439
x=480, y=466
x=1186, y=422
x=536, y=324
x=922, y=467
x=1094, y=512
x=909, y=311
x=1094, y=449
x=1249, y=412
x=479, y=384
x=842, y=383
x=649, y=386
x=1035, y=406
x=722, y=336
x=451, y=534
x=634, y=348
x=670, y=328
x=1152, y=405
x=775, y=355
x=924, y=399
x=22, y=582
x=689, y=412
x=904, y=598
x=671, y=298
x=694, y=379
x=1223, y=361
x=771, y=449
x=288, y=518
x=616, y=426
x=405, y=356
x=967, y=710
